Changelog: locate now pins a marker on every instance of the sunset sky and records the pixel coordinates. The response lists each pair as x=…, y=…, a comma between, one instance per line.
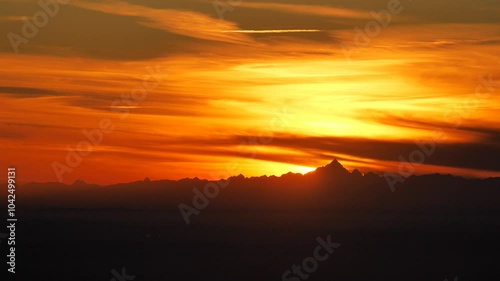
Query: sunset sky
x=272, y=87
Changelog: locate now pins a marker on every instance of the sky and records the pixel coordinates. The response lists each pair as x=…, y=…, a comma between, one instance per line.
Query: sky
x=117, y=91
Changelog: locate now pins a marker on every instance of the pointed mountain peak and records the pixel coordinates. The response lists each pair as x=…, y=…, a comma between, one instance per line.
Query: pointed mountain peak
x=334, y=168
x=335, y=165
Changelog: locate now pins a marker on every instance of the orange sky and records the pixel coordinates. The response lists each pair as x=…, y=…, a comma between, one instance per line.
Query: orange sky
x=266, y=90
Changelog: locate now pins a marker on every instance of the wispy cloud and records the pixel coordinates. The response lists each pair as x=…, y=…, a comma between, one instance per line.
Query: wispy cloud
x=309, y=10
x=187, y=23
x=274, y=31
x=13, y=18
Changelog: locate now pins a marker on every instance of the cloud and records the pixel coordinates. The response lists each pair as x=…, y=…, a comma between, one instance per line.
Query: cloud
x=187, y=23
x=13, y=18
x=23, y=92
x=309, y=10
x=488, y=135
x=476, y=155
x=274, y=31
x=310, y=150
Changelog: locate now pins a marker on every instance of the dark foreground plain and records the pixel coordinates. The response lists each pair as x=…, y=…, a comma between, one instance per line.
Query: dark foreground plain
x=431, y=228
x=87, y=245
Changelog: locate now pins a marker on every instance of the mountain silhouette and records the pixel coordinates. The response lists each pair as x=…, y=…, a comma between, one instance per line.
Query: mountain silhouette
x=331, y=187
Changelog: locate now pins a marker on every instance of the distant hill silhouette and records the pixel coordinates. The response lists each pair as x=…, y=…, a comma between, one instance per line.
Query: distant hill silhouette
x=331, y=187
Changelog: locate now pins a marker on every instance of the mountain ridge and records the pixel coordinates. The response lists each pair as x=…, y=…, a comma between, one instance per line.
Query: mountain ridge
x=334, y=168
x=331, y=187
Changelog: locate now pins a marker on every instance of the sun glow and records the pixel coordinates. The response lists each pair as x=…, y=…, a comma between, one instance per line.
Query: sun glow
x=303, y=169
